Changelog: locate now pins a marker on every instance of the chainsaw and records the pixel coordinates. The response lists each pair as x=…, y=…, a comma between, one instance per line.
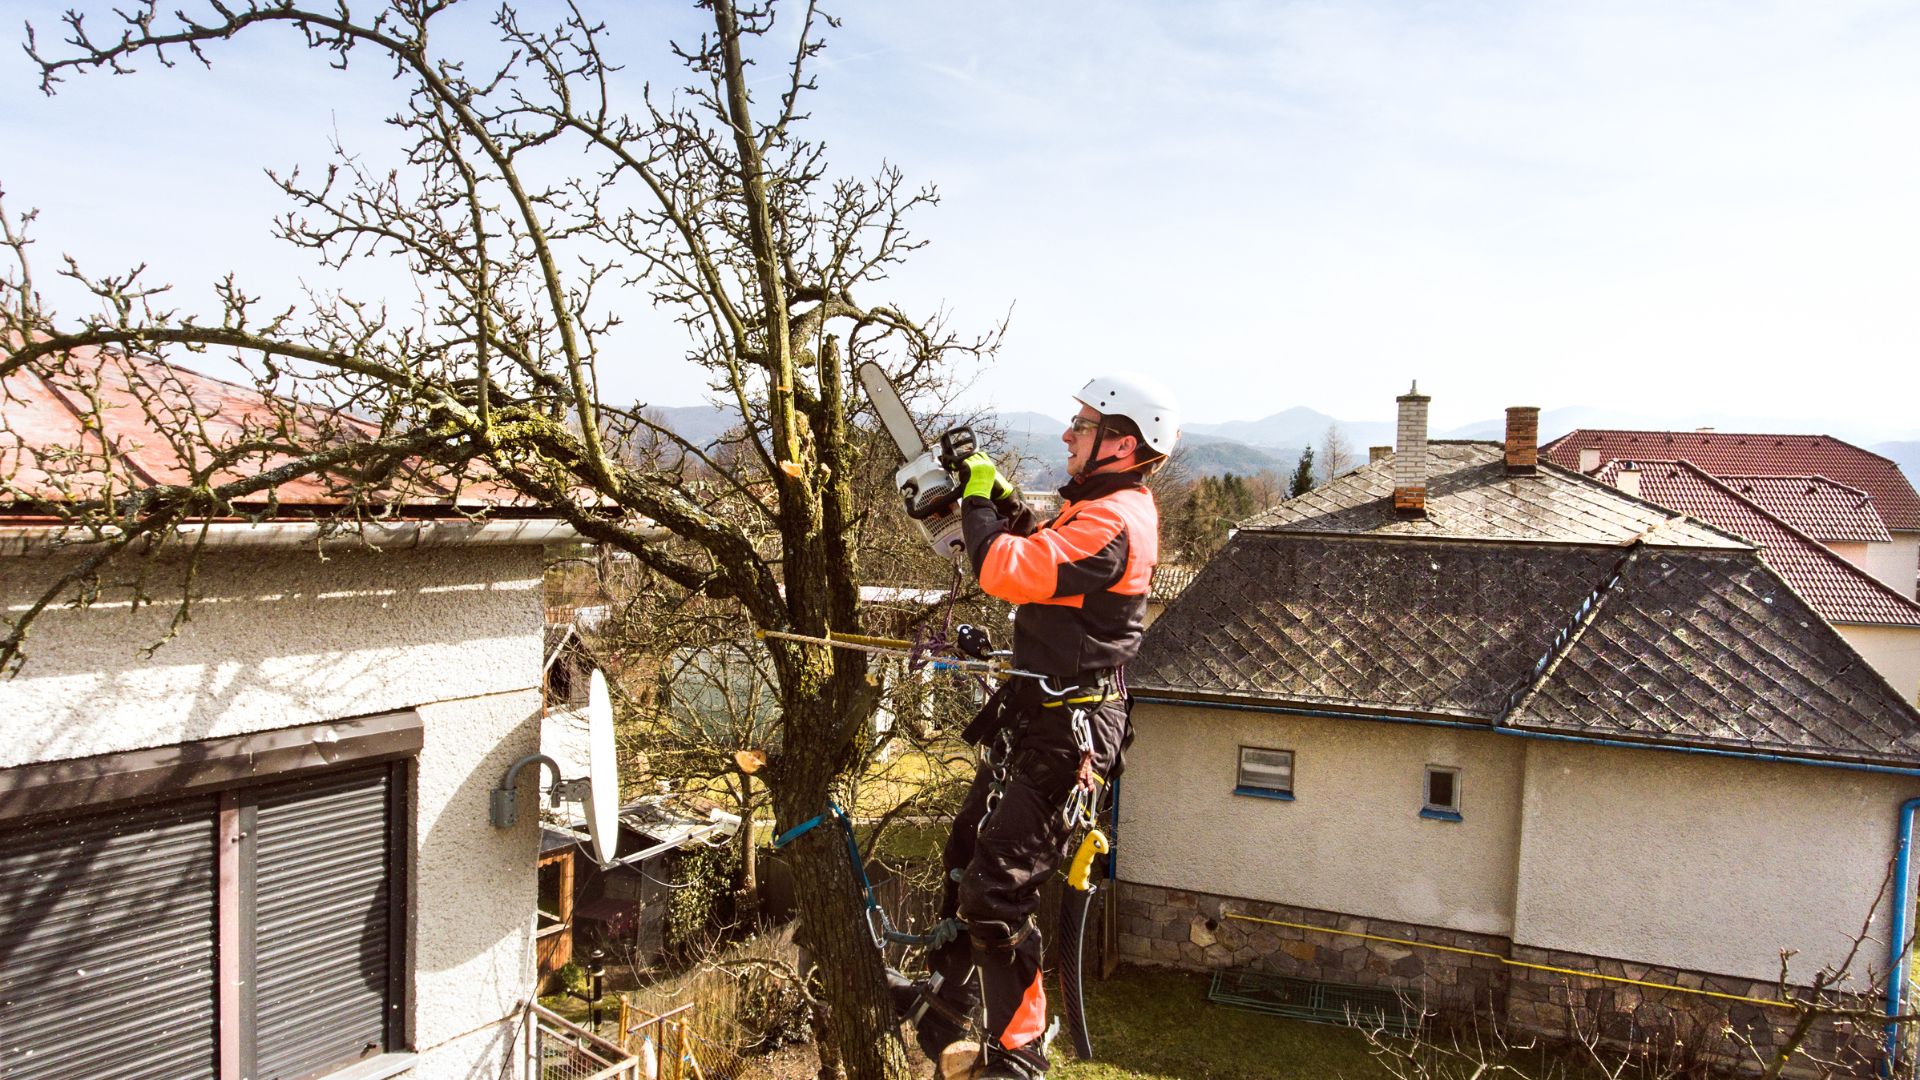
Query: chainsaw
x=930, y=483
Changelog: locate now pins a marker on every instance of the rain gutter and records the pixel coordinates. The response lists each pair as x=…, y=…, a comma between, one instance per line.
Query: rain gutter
x=41, y=540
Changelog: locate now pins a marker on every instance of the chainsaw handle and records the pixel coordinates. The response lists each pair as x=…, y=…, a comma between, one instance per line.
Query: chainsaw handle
x=956, y=446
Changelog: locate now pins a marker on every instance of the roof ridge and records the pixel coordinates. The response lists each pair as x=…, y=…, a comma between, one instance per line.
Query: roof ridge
x=1824, y=551
x=1722, y=435
x=1570, y=633
x=1822, y=478
x=1672, y=515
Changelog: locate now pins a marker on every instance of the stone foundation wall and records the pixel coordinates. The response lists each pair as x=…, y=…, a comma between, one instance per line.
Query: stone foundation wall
x=1192, y=930
x=1671, y=1024
x=1176, y=928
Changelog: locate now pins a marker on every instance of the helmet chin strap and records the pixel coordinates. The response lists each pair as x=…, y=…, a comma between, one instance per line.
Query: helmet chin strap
x=1094, y=461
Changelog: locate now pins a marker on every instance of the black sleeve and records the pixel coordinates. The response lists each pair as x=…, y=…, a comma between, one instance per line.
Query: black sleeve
x=980, y=522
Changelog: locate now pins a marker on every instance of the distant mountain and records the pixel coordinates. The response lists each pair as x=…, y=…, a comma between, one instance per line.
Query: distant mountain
x=1553, y=424
x=1295, y=428
x=1029, y=442
x=701, y=425
x=1203, y=455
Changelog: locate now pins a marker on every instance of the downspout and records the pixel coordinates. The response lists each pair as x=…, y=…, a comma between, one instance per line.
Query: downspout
x=1897, y=943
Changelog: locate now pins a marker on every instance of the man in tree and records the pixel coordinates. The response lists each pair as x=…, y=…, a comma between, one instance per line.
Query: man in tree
x=1081, y=584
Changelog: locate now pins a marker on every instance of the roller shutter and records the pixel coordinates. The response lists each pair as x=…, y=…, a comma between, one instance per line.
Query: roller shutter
x=322, y=923
x=107, y=939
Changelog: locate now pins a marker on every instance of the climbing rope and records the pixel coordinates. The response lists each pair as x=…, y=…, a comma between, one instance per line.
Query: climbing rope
x=879, y=926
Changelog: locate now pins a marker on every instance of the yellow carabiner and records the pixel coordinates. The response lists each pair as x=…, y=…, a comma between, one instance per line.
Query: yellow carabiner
x=1082, y=865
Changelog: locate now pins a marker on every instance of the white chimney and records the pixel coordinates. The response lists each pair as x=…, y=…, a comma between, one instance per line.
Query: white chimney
x=1410, y=454
x=1589, y=459
x=1627, y=479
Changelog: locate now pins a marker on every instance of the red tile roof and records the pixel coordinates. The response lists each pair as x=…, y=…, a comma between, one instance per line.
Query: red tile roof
x=49, y=451
x=1834, y=587
x=1829, y=512
x=1753, y=454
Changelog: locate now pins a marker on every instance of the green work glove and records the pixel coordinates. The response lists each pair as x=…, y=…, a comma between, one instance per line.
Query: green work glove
x=983, y=479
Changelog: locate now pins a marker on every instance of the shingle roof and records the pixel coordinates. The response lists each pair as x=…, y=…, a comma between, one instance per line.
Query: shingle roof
x=1470, y=495
x=1695, y=646
x=1824, y=509
x=1441, y=627
x=1707, y=649
x=1753, y=454
x=1169, y=581
x=1838, y=590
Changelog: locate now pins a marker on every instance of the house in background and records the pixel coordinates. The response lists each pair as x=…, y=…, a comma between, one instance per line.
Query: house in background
x=1814, y=482
x=1776, y=515
x=263, y=849
x=1462, y=720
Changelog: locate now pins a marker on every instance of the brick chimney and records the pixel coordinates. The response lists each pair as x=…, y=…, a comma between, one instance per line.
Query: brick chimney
x=1410, y=454
x=1375, y=453
x=1523, y=440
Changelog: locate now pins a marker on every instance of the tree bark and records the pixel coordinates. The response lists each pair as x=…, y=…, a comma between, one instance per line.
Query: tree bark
x=833, y=926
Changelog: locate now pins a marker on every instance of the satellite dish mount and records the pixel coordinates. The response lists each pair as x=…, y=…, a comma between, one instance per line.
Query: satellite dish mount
x=598, y=792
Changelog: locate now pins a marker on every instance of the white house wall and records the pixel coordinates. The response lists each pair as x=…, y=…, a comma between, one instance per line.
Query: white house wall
x=1352, y=839
x=280, y=639
x=1895, y=563
x=1709, y=864
x=1894, y=651
x=277, y=639
x=474, y=885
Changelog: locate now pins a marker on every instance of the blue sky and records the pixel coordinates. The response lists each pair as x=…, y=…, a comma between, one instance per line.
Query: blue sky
x=1665, y=209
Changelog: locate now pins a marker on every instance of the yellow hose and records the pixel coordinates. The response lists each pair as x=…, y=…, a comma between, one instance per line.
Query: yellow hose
x=1517, y=963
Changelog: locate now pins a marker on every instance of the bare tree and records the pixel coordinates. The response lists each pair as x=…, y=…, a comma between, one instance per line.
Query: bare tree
x=1336, y=453
x=706, y=203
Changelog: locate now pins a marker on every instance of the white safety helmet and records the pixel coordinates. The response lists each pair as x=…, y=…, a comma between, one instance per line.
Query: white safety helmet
x=1145, y=402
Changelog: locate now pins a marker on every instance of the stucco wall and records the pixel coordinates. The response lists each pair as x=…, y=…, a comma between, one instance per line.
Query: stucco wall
x=474, y=885
x=276, y=639
x=1707, y=864
x=283, y=638
x=1352, y=839
x=1895, y=563
x=1854, y=551
x=1894, y=651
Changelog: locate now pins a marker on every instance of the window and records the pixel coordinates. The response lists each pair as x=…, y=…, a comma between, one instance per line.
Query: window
x=1442, y=794
x=1265, y=774
x=236, y=928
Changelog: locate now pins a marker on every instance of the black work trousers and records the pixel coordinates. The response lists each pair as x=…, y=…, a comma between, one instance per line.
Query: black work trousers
x=1003, y=857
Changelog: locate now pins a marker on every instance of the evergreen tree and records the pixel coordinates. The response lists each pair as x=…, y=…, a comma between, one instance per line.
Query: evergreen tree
x=1302, y=481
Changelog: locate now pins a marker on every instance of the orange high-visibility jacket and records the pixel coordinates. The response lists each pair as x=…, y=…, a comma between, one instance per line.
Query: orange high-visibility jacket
x=1081, y=579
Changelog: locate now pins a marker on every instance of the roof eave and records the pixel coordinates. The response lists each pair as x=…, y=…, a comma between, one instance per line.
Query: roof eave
x=1352, y=711
x=18, y=540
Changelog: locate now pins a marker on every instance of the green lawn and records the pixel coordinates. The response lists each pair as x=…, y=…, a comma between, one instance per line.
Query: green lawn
x=1150, y=1024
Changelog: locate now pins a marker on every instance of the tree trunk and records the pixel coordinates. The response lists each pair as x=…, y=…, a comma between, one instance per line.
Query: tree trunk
x=833, y=927
x=747, y=904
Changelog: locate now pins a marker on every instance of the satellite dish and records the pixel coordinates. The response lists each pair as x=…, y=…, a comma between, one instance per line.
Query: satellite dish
x=602, y=802
x=598, y=792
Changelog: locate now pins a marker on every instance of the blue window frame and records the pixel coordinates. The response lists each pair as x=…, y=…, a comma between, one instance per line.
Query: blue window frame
x=1265, y=773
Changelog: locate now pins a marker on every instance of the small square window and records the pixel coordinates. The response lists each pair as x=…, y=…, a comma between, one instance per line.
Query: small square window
x=1442, y=794
x=1265, y=774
